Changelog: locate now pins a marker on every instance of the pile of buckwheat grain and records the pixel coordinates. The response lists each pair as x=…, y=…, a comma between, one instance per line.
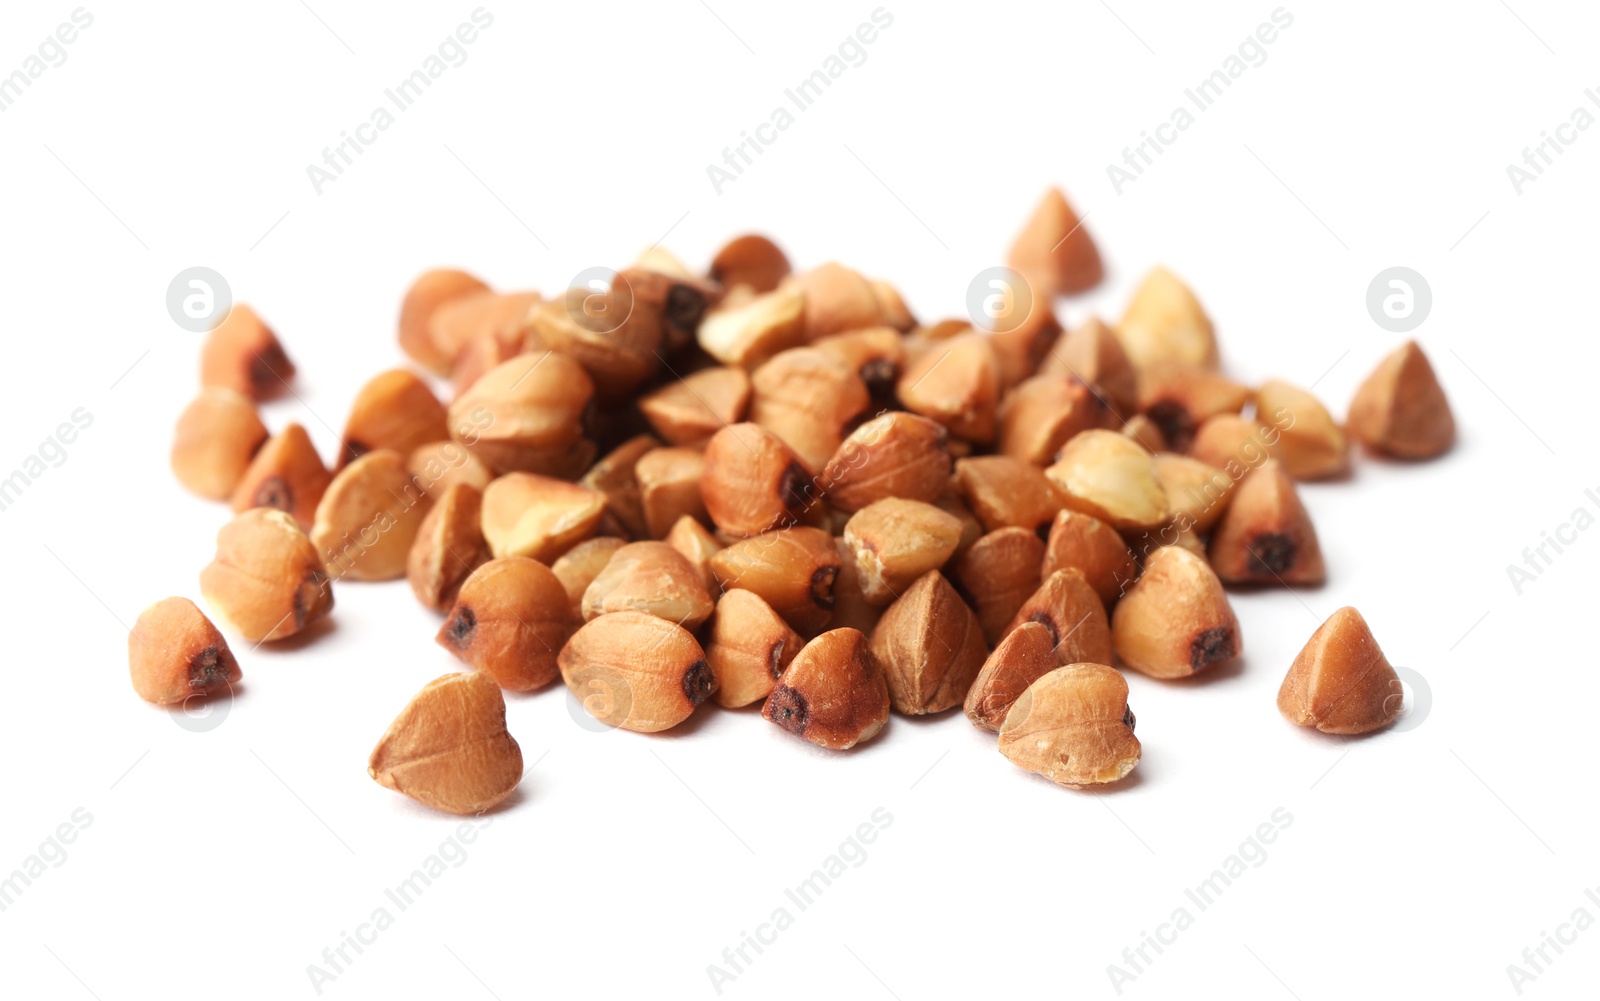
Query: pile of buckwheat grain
x=759, y=486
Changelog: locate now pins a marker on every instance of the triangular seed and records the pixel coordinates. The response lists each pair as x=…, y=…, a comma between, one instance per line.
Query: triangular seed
x=1341, y=682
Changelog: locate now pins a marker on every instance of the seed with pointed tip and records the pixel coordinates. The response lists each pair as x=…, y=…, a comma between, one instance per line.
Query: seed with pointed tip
x=875, y=354
x=957, y=383
x=1266, y=536
x=1311, y=445
x=431, y=290
x=1197, y=494
x=669, y=488
x=1025, y=655
x=216, y=438
x=286, y=474
x=1092, y=546
x=579, y=566
x=833, y=693
x=894, y=455
x=1054, y=251
x=998, y=573
x=174, y=653
x=636, y=671
x=266, y=581
x=809, y=400
x=662, y=261
x=934, y=337
x=1401, y=409
x=1109, y=476
x=616, y=336
x=696, y=545
x=1045, y=412
x=793, y=569
x=661, y=284
x=747, y=645
x=369, y=517
x=439, y=465
x=617, y=476
x=930, y=647
x=1022, y=344
x=1091, y=353
x=1176, y=620
x=1073, y=726
x=1072, y=611
x=1234, y=444
x=1005, y=492
x=751, y=260
x=486, y=351
x=509, y=621
x=837, y=299
x=891, y=306
x=649, y=577
x=537, y=516
x=522, y=412
x=895, y=541
x=244, y=355
x=1180, y=398
x=448, y=547
x=747, y=333
x=753, y=481
x=1165, y=322
x=1341, y=682
x=394, y=410
x=690, y=410
x=449, y=748
x=472, y=316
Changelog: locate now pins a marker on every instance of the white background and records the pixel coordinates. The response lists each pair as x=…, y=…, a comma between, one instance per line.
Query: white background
x=1418, y=863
